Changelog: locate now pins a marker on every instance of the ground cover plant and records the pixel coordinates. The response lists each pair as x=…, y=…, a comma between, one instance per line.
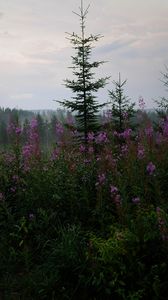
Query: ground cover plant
x=85, y=221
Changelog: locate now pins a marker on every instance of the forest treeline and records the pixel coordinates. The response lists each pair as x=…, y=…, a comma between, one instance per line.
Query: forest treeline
x=48, y=121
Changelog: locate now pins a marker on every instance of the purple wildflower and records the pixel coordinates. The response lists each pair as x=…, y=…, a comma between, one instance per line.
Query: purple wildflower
x=82, y=148
x=149, y=131
x=31, y=216
x=140, y=152
x=34, y=123
x=90, y=137
x=113, y=189
x=151, y=168
x=59, y=128
x=136, y=200
x=101, y=179
x=124, y=150
x=27, y=151
x=101, y=138
x=18, y=130
x=13, y=189
x=141, y=103
x=165, y=127
x=54, y=154
x=15, y=178
x=126, y=133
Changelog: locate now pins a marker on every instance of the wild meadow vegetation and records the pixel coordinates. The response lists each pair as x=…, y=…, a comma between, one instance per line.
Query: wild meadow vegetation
x=83, y=198
x=85, y=221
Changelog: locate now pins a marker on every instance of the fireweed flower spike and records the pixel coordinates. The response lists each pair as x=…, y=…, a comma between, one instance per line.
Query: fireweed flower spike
x=151, y=168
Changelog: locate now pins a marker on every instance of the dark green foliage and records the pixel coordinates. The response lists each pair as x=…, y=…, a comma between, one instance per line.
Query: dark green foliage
x=163, y=102
x=84, y=103
x=122, y=109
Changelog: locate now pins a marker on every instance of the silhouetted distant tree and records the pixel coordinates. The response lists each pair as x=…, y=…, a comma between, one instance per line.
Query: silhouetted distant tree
x=121, y=109
x=163, y=102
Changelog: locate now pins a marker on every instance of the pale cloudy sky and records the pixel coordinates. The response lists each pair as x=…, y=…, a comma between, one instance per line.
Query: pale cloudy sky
x=35, y=54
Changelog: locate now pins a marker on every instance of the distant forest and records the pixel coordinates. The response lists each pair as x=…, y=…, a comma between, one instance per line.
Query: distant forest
x=48, y=120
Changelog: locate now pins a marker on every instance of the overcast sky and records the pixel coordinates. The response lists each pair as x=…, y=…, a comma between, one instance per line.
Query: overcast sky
x=35, y=54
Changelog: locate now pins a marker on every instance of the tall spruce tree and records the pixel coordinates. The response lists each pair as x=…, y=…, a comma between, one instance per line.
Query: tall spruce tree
x=84, y=103
x=121, y=107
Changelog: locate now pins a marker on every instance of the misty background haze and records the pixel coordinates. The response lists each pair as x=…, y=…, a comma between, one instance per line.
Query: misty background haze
x=35, y=54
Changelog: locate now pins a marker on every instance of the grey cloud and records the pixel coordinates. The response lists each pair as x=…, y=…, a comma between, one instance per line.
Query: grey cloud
x=114, y=46
x=35, y=57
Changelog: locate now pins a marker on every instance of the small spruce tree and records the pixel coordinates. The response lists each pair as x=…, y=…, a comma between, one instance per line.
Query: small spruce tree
x=84, y=103
x=162, y=103
x=121, y=107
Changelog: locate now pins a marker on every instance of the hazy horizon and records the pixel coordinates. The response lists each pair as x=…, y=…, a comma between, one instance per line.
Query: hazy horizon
x=35, y=55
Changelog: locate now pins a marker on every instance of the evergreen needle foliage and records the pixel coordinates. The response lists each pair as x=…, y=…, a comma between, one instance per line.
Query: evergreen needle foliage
x=84, y=103
x=163, y=102
x=121, y=106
